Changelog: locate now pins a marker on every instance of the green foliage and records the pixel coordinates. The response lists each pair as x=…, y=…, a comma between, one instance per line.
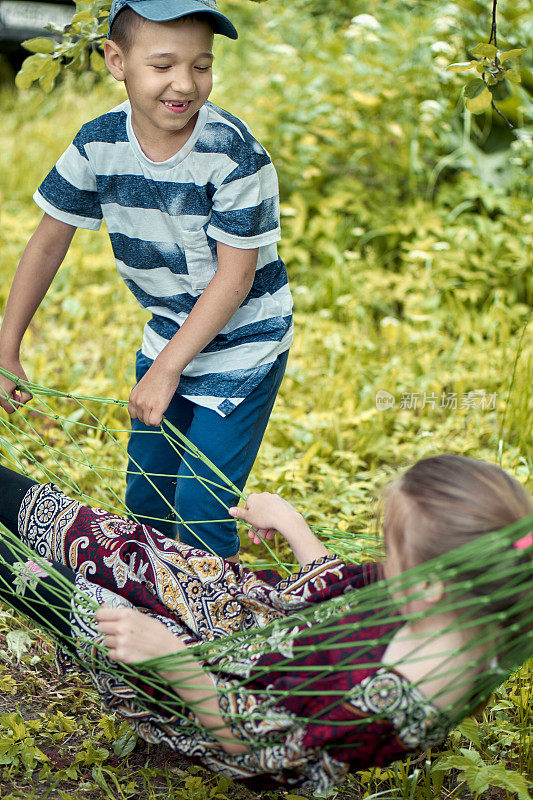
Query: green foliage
x=490, y=64
x=75, y=49
x=17, y=744
x=479, y=776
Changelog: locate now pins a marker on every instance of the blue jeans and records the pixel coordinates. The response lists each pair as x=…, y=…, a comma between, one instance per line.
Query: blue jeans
x=171, y=499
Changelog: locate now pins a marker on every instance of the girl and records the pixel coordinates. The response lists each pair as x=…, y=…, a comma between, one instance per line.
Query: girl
x=303, y=690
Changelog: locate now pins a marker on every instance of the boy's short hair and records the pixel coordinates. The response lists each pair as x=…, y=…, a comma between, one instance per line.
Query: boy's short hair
x=124, y=27
x=127, y=22
x=164, y=11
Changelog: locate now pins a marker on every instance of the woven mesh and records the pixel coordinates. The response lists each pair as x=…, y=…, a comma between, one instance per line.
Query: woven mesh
x=79, y=444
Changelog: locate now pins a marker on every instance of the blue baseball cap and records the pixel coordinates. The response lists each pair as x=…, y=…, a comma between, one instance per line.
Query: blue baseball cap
x=165, y=10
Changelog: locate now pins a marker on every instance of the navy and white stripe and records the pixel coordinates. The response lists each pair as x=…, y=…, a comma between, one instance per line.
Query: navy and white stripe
x=164, y=220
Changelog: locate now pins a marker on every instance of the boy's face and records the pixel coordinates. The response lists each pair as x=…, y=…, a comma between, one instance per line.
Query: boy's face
x=168, y=76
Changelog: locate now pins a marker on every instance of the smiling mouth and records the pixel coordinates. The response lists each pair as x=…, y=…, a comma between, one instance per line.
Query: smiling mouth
x=177, y=107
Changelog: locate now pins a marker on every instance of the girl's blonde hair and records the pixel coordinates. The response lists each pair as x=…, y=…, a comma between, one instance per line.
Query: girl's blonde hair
x=447, y=501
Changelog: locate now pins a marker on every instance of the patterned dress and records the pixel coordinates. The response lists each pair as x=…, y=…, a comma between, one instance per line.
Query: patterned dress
x=352, y=715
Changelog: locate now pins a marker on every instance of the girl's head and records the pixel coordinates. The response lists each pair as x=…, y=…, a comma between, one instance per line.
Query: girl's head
x=444, y=502
x=478, y=597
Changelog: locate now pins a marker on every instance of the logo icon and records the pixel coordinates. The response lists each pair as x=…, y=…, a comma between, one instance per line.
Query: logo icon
x=384, y=400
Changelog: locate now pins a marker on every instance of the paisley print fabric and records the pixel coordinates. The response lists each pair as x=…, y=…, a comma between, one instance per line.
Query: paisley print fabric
x=417, y=721
x=302, y=739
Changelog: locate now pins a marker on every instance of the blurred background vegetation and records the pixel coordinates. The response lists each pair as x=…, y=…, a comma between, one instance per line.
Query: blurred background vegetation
x=408, y=238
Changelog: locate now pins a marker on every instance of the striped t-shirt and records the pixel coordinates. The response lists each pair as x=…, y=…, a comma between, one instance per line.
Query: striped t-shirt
x=164, y=220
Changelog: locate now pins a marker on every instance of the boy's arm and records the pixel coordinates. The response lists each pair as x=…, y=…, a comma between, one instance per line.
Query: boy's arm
x=268, y=513
x=39, y=263
x=214, y=308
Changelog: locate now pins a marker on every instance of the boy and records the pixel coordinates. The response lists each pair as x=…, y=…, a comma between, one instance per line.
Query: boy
x=190, y=201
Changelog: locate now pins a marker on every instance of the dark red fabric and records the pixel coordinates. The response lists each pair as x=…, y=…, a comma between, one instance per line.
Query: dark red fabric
x=348, y=734
x=130, y=547
x=373, y=741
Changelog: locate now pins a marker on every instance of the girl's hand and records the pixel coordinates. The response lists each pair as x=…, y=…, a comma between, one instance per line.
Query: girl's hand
x=132, y=637
x=267, y=513
x=260, y=535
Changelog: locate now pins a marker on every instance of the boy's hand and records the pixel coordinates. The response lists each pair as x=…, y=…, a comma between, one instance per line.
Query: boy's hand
x=12, y=397
x=151, y=397
x=267, y=513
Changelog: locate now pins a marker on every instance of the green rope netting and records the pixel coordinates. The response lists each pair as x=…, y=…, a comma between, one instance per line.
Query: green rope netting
x=79, y=443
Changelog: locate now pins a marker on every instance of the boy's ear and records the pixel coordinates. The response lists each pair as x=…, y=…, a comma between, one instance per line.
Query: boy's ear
x=114, y=59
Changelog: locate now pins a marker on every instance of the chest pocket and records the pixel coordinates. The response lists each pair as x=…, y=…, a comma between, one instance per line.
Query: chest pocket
x=201, y=264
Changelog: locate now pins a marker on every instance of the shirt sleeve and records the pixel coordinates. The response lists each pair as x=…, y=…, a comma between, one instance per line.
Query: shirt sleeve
x=245, y=212
x=69, y=192
x=327, y=577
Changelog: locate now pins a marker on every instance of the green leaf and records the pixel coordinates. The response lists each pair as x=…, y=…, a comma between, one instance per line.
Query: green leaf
x=92, y=754
x=71, y=772
x=484, y=50
x=108, y=727
x=452, y=762
x=125, y=744
x=46, y=81
x=18, y=642
x=477, y=779
x=17, y=725
x=470, y=729
x=23, y=80
x=510, y=781
x=461, y=66
x=473, y=756
x=506, y=54
x=96, y=61
x=479, y=104
x=513, y=75
x=99, y=779
x=80, y=62
x=41, y=44
x=32, y=69
x=81, y=16
x=478, y=97
x=474, y=88
x=224, y=784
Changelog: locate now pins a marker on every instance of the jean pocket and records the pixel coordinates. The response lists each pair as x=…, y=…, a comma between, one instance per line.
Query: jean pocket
x=201, y=263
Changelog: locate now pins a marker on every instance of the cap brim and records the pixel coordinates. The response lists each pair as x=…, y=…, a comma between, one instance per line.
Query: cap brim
x=166, y=10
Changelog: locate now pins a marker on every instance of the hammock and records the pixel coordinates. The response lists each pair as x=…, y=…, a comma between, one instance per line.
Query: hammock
x=79, y=444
